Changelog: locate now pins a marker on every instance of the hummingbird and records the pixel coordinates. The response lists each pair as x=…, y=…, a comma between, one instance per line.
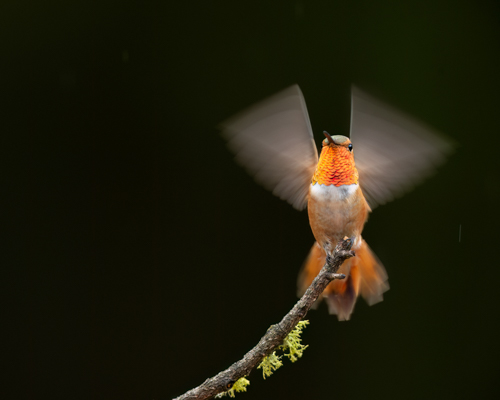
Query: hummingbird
x=386, y=154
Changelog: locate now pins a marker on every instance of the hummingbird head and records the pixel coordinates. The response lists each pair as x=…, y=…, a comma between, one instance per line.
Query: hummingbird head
x=336, y=162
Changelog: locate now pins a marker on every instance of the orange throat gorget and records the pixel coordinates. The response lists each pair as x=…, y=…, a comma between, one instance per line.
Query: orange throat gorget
x=335, y=167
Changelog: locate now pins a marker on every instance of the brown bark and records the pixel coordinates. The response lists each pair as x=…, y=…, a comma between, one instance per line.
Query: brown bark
x=275, y=335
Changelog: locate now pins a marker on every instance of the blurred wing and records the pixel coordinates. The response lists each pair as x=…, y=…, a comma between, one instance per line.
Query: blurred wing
x=392, y=152
x=273, y=140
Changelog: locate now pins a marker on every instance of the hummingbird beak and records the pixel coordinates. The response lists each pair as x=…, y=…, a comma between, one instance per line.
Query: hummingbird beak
x=327, y=135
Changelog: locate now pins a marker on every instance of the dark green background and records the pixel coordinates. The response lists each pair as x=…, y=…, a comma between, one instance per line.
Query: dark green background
x=138, y=259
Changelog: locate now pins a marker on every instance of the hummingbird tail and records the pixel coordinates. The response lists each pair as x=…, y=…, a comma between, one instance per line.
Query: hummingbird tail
x=373, y=277
x=365, y=275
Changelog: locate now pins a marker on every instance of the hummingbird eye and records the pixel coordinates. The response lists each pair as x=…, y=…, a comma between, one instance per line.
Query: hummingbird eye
x=350, y=147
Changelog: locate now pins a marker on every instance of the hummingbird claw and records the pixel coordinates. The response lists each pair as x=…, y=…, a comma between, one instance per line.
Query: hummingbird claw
x=345, y=244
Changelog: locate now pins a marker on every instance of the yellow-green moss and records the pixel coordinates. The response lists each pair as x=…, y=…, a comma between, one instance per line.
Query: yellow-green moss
x=292, y=343
x=291, y=347
x=239, y=386
x=270, y=364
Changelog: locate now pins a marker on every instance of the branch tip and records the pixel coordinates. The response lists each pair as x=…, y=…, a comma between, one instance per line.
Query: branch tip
x=345, y=244
x=333, y=276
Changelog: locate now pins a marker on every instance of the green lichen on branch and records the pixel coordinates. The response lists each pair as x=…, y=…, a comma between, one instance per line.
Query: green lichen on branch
x=210, y=387
x=270, y=364
x=292, y=348
x=293, y=342
x=239, y=386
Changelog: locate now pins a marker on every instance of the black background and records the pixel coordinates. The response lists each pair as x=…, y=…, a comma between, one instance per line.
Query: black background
x=138, y=259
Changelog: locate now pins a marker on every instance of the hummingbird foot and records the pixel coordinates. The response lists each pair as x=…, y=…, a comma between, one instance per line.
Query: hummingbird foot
x=343, y=249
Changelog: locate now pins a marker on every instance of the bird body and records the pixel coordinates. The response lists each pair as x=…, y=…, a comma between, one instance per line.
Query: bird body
x=274, y=141
x=337, y=209
x=336, y=212
x=336, y=205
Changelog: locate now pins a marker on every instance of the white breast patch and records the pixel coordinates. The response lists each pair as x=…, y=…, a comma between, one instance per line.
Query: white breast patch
x=332, y=193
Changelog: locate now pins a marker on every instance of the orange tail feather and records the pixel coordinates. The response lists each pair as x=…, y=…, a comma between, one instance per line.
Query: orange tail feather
x=365, y=275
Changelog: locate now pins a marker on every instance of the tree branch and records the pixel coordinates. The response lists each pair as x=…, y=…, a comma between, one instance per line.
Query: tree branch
x=275, y=335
